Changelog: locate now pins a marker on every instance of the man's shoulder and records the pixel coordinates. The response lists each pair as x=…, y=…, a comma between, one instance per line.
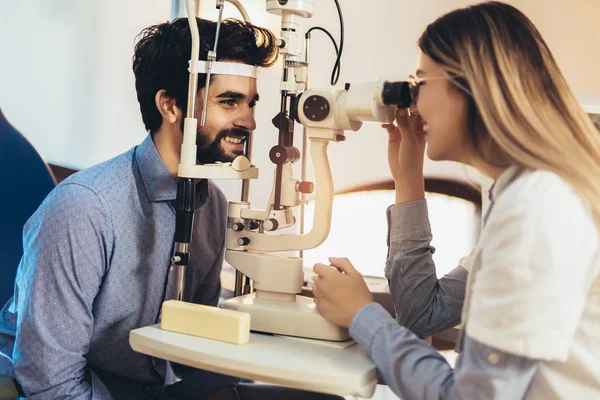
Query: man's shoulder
x=82, y=197
x=216, y=205
x=103, y=176
x=87, y=189
x=216, y=194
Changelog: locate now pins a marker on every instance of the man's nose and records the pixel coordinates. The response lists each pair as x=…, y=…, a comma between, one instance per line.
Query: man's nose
x=246, y=119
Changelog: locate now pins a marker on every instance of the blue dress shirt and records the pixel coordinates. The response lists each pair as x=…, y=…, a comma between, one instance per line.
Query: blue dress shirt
x=96, y=265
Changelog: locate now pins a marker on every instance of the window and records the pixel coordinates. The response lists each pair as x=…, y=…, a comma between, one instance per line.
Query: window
x=359, y=226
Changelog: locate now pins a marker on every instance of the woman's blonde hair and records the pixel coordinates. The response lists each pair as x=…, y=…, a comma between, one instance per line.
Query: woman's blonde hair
x=521, y=109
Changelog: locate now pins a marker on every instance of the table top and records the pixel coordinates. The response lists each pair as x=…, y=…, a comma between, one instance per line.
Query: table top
x=315, y=365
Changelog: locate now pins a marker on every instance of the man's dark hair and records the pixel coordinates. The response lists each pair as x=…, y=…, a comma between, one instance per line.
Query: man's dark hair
x=163, y=51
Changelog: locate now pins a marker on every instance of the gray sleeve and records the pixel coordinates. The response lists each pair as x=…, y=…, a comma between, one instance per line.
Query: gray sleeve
x=415, y=370
x=66, y=250
x=423, y=303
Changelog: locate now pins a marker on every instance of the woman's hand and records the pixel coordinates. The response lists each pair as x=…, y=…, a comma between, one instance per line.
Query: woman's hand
x=406, y=153
x=339, y=291
x=406, y=144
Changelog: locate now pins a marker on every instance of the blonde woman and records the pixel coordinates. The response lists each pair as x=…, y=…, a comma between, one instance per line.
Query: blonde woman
x=488, y=93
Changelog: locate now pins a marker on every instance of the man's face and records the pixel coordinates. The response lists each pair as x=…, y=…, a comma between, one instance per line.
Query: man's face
x=229, y=118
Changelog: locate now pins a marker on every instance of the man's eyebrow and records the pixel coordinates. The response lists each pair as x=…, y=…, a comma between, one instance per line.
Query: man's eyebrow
x=230, y=94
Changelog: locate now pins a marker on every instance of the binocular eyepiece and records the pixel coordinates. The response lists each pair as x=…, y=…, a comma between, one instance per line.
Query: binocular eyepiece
x=397, y=94
x=359, y=102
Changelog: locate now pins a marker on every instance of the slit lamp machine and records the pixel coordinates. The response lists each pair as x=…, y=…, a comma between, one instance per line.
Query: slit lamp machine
x=253, y=235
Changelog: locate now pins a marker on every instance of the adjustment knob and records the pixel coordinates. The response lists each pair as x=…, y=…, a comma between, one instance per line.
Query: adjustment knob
x=284, y=154
x=305, y=187
x=237, y=227
x=316, y=108
x=271, y=224
x=243, y=241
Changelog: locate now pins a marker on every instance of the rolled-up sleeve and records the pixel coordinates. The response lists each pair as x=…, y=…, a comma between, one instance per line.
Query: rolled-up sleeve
x=423, y=303
x=66, y=246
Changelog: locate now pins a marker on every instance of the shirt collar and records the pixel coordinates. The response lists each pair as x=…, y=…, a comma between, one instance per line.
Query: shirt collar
x=509, y=175
x=158, y=182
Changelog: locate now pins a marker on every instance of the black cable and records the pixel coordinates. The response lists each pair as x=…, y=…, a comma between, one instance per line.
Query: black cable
x=335, y=74
x=318, y=28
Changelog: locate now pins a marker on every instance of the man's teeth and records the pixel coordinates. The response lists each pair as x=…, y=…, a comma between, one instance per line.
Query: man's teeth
x=233, y=139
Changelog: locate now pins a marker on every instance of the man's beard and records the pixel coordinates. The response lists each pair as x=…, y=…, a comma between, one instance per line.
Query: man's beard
x=212, y=152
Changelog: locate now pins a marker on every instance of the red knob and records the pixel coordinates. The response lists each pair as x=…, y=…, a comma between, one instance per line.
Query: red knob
x=306, y=187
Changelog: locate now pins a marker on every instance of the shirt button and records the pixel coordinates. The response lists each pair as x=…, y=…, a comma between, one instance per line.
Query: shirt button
x=171, y=269
x=494, y=358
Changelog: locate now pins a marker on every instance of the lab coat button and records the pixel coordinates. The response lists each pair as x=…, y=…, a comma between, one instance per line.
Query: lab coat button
x=494, y=358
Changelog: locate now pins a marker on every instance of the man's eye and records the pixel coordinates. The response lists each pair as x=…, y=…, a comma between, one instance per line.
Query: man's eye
x=252, y=104
x=230, y=102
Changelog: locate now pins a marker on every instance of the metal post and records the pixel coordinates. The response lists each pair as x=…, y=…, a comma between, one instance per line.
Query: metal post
x=304, y=148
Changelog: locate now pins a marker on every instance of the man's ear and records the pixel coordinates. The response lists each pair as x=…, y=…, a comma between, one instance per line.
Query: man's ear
x=167, y=107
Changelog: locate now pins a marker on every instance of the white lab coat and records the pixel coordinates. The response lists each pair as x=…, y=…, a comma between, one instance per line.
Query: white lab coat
x=534, y=283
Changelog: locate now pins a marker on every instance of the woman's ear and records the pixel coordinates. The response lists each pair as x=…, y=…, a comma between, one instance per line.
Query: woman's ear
x=167, y=107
